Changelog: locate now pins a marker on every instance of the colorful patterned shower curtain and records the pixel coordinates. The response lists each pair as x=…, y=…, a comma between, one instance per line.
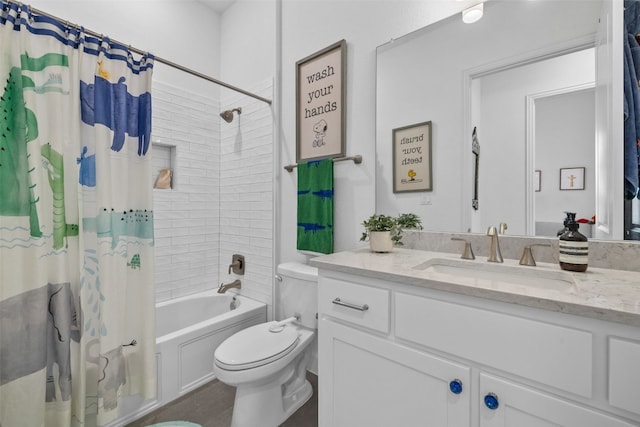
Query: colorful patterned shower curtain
x=77, y=322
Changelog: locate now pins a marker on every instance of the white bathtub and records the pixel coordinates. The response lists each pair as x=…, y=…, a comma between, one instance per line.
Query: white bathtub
x=188, y=330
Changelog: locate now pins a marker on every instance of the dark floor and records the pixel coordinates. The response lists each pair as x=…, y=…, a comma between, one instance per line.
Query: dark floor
x=212, y=405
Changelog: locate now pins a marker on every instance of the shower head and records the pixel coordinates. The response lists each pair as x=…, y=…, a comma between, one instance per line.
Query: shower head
x=228, y=114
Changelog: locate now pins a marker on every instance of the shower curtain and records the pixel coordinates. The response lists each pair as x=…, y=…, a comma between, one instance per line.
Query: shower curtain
x=77, y=325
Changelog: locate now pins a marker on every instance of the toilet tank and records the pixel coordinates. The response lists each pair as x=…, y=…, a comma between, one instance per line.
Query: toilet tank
x=297, y=292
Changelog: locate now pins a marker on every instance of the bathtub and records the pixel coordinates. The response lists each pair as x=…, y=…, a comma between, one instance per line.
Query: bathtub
x=188, y=330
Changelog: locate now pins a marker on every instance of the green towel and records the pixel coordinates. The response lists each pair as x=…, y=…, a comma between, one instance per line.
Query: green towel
x=315, y=206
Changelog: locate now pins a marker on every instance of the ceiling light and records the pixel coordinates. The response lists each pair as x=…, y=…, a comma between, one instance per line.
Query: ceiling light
x=473, y=14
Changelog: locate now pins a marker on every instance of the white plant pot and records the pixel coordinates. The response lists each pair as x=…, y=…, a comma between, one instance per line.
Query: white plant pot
x=380, y=241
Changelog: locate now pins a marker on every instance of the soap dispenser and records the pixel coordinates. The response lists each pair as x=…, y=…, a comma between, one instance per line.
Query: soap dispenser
x=573, y=246
x=563, y=229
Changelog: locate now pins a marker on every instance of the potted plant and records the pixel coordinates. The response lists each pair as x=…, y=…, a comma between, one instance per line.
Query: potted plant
x=382, y=232
x=385, y=231
x=409, y=221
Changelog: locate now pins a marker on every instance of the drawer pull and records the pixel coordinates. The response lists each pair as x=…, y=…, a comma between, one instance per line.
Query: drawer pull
x=363, y=307
x=491, y=401
x=455, y=386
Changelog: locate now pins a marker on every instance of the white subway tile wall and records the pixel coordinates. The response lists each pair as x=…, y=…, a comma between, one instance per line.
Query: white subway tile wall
x=187, y=217
x=161, y=159
x=246, y=192
x=224, y=201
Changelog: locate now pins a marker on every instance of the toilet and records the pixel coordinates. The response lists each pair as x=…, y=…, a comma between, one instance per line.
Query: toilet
x=267, y=363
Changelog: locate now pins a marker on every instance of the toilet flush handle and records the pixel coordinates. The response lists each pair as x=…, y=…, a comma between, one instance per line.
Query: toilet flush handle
x=279, y=326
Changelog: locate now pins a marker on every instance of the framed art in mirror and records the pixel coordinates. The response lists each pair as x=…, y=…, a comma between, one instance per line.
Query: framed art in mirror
x=572, y=179
x=320, y=104
x=412, y=158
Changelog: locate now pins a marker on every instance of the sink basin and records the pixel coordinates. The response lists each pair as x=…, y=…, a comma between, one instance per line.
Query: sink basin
x=495, y=275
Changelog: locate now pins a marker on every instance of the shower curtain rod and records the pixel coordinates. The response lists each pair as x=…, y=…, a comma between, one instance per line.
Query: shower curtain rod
x=156, y=58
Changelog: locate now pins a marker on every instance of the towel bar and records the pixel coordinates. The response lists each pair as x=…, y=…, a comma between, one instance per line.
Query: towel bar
x=357, y=159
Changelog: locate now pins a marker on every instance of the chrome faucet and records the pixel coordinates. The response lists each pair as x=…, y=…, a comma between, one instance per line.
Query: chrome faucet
x=495, y=255
x=467, y=252
x=527, y=254
x=502, y=228
x=225, y=287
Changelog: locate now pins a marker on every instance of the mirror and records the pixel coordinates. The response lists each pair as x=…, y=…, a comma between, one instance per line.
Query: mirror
x=509, y=76
x=540, y=116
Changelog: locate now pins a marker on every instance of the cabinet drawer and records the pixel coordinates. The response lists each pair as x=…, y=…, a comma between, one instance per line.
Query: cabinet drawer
x=553, y=355
x=624, y=374
x=358, y=304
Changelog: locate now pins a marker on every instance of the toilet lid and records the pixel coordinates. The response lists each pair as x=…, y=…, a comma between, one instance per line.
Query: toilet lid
x=255, y=346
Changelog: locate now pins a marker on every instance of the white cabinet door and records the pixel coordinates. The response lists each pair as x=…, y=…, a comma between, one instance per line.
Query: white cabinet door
x=624, y=374
x=369, y=381
x=518, y=406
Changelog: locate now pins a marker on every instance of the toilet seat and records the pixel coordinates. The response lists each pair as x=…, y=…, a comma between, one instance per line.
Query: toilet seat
x=255, y=346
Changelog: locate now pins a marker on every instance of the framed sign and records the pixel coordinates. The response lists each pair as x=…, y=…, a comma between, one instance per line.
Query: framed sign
x=572, y=179
x=320, y=104
x=412, y=158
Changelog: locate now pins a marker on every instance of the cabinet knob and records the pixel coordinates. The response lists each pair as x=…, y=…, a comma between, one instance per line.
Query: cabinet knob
x=491, y=401
x=455, y=386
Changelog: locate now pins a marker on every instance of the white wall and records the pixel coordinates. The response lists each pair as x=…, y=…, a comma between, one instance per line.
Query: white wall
x=308, y=26
x=503, y=145
x=161, y=27
x=248, y=43
x=565, y=138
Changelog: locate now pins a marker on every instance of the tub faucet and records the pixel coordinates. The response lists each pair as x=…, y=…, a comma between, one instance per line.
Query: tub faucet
x=233, y=265
x=225, y=287
x=237, y=264
x=495, y=255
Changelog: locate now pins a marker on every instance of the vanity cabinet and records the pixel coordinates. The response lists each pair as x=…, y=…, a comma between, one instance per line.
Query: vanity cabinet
x=397, y=354
x=374, y=382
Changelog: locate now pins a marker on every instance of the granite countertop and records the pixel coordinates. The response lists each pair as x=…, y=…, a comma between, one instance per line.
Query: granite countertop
x=612, y=295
